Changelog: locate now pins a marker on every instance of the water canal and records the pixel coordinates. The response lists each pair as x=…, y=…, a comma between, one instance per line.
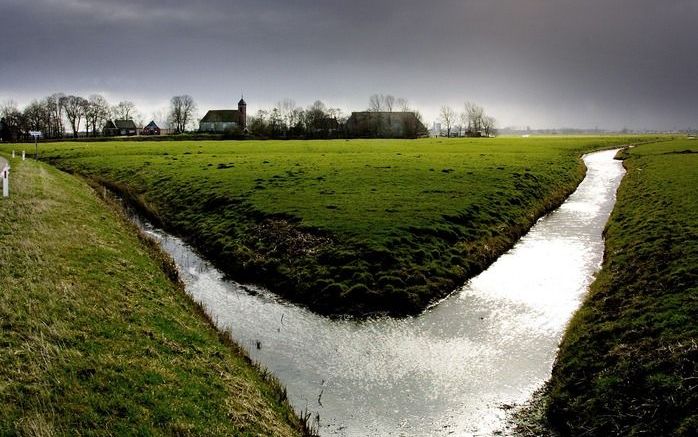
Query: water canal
x=451, y=370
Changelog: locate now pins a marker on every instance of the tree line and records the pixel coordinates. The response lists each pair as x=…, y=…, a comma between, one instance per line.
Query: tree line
x=88, y=115
x=288, y=120
x=471, y=122
x=53, y=113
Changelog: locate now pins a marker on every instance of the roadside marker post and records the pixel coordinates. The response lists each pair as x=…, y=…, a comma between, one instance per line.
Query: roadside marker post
x=6, y=181
x=22, y=155
x=13, y=154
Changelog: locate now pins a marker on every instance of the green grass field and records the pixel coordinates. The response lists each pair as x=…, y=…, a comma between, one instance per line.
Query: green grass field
x=346, y=227
x=628, y=362
x=97, y=340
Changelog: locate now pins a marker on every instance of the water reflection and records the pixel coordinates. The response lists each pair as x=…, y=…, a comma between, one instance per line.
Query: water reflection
x=448, y=371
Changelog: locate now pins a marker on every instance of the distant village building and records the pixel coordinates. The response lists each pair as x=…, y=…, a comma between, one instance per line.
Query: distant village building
x=225, y=120
x=151, y=129
x=371, y=124
x=120, y=128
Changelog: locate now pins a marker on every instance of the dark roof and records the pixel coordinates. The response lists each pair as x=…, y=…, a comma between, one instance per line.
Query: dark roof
x=242, y=102
x=152, y=125
x=385, y=114
x=384, y=124
x=221, y=116
x=125, y=124
x=392, y=118
x=109, y=125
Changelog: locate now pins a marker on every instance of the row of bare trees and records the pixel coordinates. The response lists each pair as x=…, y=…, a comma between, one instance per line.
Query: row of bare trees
x=473, y=121
x=45, y=115
x=285, y=120
x=289, y=120
x=388, y=103
x=51, y=114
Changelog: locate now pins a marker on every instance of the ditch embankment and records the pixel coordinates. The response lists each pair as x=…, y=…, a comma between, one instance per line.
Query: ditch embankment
x=98, y=335
x=453, y=369
x=627, y=364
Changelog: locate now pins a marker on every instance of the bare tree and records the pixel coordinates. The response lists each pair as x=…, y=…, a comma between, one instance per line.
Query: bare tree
x=463, y=119
x=448, y=118
x=259, y=123
x=97, y=112
x=35, y=116
x=288, y=112
x=315, y=116
x=124, y=110
x=337, y=114
x=74, y=108
x=39, y=116
x=13, y=121
x=376, y=103
x=295, y=121
x=475, y=115
x=8, y=107
x=389, y=101
x=182, y=110
x=402, y=104
x=55, y=109
x=276, y=123
x=160, y=117
x=489, y=125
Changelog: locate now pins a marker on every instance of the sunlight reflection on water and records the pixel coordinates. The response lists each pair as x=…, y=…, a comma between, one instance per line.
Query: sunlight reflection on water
x=448, y=371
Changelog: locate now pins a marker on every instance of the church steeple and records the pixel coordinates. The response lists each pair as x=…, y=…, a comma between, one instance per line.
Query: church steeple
x=242, y=109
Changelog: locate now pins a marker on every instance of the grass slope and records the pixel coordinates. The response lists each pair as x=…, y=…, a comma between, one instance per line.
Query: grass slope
x=96, y=340
x=627, y=363
x=344, y=226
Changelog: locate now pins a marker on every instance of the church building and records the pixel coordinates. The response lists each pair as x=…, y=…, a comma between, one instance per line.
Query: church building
x=225, y=120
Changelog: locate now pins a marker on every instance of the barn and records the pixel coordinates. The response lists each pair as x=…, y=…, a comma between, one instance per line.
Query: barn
x=371, y=124
x=120, y=128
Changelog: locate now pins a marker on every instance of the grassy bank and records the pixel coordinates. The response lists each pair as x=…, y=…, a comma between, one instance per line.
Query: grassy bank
x=344, y=226
x=627, y=363
x=96, y=340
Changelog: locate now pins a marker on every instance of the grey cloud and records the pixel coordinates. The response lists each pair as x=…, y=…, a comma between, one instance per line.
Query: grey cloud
x=540, y=62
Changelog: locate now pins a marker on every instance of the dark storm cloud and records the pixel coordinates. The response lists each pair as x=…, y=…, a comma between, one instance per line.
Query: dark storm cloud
x=545, y=63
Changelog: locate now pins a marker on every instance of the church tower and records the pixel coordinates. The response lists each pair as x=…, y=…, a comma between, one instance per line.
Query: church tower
x=242, y=110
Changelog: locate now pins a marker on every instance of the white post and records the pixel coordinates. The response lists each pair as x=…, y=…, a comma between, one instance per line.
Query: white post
x=22, y=155
x=6, y=182
x=13, y=154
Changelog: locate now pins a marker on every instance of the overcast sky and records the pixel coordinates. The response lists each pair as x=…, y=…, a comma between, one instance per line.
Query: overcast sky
x=543, y=63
